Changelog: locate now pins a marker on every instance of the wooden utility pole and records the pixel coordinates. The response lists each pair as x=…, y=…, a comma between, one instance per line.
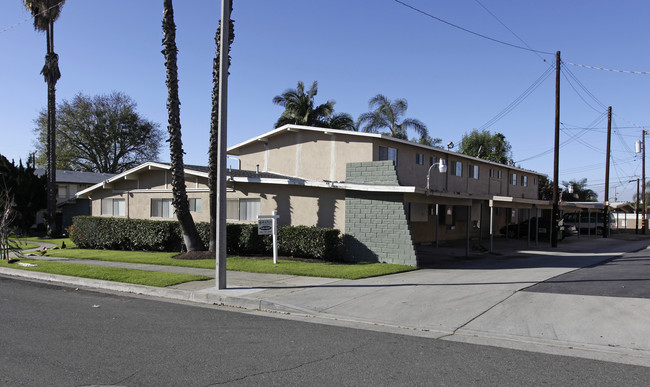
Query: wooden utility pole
x=555, y=216
x=606, y=203
x=636, y=209
x=643, y=203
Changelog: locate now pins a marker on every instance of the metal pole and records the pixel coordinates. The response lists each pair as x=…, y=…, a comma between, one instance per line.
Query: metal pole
x=492, y=228
x=222, y=150
x=469, y=220
x=636, y=209
x=643, y=207
x=556, y=159
x=275, y=237
x=437, y=222
x=606, y=203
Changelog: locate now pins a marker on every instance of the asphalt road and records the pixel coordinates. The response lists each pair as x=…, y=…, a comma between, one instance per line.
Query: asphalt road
x=626, y=276
x=59, y=336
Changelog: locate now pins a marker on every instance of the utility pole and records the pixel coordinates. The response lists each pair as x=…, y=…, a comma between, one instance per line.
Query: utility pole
x=606, y=203
x=221, y=158
x=555, y=216
x=643, y=133
x=636, y=208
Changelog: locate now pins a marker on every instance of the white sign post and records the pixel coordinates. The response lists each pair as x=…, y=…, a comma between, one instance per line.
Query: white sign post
x=268, y=225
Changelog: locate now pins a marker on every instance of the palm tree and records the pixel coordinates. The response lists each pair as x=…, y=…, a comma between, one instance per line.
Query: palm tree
x=213, y=153
x=385, y=114
x=180, y=202
x=342, y=121
x=45, y=13
x=580, y=191
x=299, y=107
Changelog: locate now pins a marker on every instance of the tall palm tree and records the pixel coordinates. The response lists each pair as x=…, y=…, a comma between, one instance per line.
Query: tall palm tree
x=181, y=203
x=385, y=114
x=45, y=13
x=299, y=107
x=213, y=153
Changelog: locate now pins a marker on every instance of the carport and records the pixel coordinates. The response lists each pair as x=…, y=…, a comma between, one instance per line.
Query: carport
x=533, y=206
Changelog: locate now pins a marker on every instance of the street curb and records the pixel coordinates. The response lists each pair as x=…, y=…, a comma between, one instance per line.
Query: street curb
x=175, y=294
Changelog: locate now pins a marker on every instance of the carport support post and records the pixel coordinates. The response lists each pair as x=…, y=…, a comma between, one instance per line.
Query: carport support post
x=437, y=222
x=469, y=221
x=492, y=226
x=537, y=227
x=589, y=221
x=529, y=219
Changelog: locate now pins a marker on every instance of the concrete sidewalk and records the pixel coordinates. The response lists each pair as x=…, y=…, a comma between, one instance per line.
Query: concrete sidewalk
x=476, y=299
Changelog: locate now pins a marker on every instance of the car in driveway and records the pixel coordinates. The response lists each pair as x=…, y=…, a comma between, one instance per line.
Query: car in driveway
x=586, y=223
x=517, y=230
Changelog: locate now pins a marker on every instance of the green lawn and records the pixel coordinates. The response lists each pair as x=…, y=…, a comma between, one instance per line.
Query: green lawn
x=131, y=276
x=56, y=241
x=254, y=265
x=22, y=244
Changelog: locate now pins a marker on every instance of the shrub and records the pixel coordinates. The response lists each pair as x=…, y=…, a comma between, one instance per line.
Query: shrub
x=89, y=232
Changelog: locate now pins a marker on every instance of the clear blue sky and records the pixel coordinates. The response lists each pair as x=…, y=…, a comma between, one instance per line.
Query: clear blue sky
x=454, y=81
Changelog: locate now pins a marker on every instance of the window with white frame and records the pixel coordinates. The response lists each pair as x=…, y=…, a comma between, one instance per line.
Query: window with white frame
x=499, y=174
x=514, y=179
x=419, y=159
x=162, y=208
x=388, y=153
x=242, y=209
x=491, y=173
x=113, y=207
x=524, y=181
x=473, y=171
x=433, y=160
x=195, y=204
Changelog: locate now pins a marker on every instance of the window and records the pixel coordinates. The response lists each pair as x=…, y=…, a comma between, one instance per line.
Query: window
x=433, y=160
x=388, y=153
x=499, y=174
x=491, y=172
x=524, y=181
x=195, y=205
x=243, y=209
x=514, y=179
x=419, y=159
x=113, y=207
x=473, y=171
x=535, y=181
x=456, y=168
x=162, y=208
x=63, y=191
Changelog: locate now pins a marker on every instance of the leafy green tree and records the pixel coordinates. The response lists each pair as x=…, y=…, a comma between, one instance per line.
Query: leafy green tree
x=28, y=191
x=580, y=191
x=427, y=140
x=300, y=109
x=103, y=133
x=387, y=114
x=179, y=193
x=486, y=146
x=545, y=188
x=45, y=13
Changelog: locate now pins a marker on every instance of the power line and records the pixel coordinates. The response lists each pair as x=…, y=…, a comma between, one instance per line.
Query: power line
x=28, y=19
x=611, y=70
x=470, y=31
x=519, y=99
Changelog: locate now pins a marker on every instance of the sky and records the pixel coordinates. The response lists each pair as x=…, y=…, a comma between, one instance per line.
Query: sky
x=455, y=80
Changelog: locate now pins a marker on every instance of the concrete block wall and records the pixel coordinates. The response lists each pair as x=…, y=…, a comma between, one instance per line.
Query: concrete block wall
x=376, y=226
x=371, y=172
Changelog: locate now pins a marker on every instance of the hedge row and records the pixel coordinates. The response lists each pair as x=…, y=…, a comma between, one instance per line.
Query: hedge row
x=91, y=232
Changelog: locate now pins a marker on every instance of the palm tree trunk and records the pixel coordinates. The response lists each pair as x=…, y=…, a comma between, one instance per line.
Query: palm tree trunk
x=181, y=204
x=51, y=78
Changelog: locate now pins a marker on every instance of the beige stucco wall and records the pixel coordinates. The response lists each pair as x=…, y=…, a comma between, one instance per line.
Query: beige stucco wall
x=297, y=205
x=306, y=154
x=151, y=184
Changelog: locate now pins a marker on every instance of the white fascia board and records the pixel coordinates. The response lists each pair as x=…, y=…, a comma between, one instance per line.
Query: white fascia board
x=325, y=184
x=149, y=165
x=294, y=128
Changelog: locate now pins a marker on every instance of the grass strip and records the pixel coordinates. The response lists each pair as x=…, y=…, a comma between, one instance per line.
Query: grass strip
x=253, y=265
x=115, y=274
x=22, y=245
x=56, y=241
x=316, y=269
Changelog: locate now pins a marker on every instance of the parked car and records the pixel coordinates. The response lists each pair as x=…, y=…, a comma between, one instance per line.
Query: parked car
x=520, y=229
x=588, y=223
